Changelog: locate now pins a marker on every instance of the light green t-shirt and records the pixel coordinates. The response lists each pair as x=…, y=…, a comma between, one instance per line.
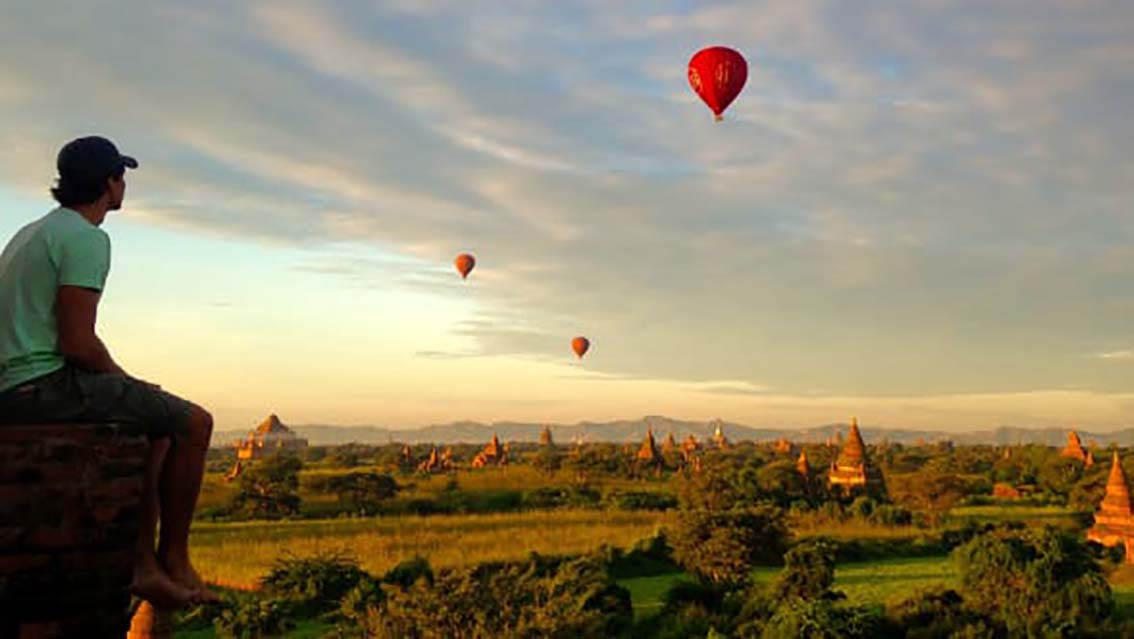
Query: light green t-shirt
x=61, y=248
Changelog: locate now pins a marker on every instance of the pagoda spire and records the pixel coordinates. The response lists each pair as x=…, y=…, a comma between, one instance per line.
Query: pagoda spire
x=1117, y=500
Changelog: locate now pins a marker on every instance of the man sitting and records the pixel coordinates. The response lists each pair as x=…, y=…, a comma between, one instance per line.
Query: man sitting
x=54, y=368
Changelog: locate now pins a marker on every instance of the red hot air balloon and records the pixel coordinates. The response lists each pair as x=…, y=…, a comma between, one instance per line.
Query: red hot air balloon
x=580, y=346
x=464, y=264
x=717, y=74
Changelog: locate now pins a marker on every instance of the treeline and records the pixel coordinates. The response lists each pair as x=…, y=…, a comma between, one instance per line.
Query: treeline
x=922, y=483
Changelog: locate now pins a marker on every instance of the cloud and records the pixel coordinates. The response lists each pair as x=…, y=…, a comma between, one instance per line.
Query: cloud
x=920, y=199
x=1117, y=356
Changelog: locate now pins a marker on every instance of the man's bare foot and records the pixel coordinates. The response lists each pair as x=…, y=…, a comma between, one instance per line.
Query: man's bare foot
x=156, y=587
x=185, y=576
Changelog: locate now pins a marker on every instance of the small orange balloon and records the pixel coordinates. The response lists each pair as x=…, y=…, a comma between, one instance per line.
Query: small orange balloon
x=580, y=346
x=464, y=264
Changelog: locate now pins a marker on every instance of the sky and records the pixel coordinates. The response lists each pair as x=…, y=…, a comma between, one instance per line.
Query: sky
x=916, y=213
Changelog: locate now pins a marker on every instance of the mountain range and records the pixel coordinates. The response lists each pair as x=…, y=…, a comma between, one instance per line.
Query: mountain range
x=620, y=431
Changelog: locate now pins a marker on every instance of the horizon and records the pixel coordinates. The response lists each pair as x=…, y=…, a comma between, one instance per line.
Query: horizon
x=915, y=214
x=866, y=429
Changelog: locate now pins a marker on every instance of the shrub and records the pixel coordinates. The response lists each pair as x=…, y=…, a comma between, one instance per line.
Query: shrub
x=938, y=613
x=316, y=584
x=887, y=515
x=408, y=572
x=641, y=500
x=539, y=597
x=561, y=497
x=253, y=618
x=822, y=619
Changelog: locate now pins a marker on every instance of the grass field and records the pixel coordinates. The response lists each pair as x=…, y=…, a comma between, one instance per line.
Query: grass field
x=238, y=554
x=871, y=583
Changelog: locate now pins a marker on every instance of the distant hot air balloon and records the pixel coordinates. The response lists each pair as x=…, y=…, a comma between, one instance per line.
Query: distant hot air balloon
x=464, y=264
x=580, y=346
x=717, y=74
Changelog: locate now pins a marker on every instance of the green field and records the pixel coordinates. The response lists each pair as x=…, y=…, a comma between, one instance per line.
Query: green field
x=874, y=583
x=868, y=583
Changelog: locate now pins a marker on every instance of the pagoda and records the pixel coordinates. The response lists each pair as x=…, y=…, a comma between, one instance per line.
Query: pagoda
x=269, y=437
x=784, y=446
x=852, y=470
x=669, y=445
x=493, y=454
x=719, y=439
x=1114, y=521
x=545, y=439
x=802, y=466
x=648, y=452
x=690, y=446
x=1074, y=449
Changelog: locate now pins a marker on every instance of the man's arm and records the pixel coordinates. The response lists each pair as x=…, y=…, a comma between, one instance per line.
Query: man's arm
x=75, y=311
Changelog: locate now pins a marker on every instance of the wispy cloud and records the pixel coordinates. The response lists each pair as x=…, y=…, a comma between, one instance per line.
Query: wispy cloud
x=925, y=198
x=1117, y=356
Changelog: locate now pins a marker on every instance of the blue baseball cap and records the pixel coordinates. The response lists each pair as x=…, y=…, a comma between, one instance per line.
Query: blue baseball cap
x=91, y=158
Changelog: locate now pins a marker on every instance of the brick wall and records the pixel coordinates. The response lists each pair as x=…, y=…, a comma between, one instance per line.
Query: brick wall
x=70, y=497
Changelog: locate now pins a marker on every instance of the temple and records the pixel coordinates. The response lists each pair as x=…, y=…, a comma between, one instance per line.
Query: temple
x=852, y=471
x=1114, y=521
x=545, y=437
x=269, y=437
x=436, y=463
x=648, y=451
x=493, y=454
x=1075, y=450
x=784, y=446
x=719, y=439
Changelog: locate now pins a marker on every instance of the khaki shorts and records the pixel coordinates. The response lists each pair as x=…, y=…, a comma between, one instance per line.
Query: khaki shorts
x=73, y=395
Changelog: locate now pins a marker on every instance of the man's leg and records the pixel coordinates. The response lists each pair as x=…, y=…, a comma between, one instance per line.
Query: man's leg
x=180, y=484
x=150, y=581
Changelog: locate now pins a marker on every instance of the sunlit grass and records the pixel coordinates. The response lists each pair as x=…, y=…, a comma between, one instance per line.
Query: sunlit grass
x=238, y=554
x=810, y=525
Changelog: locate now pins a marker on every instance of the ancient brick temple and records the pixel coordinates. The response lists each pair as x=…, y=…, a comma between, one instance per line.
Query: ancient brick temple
x=1075, y=450
x=719, y=439
x=545, y=437
x=669, y=446
x=690, y=446
x=852, y=470
x=803, y=466
x=269, y=437
x=1114, y=521
x=493, y=454
x=648, y=451
x=437, y=462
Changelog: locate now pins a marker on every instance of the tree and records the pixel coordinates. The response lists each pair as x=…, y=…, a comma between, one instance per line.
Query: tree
x=361, y=492
x=778, y=482
x=808, y=574
x=547, y=459
x=722, y=546
x=1034, y=582
x=270, y=488
x=932, y=492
